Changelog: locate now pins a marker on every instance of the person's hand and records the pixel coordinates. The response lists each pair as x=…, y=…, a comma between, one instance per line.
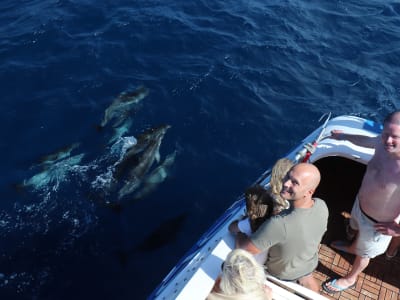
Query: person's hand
x=388, y=228
x=268, y=291
x=337, y=134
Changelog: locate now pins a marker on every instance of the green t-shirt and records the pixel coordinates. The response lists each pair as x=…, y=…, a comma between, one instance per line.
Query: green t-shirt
x=292, y=240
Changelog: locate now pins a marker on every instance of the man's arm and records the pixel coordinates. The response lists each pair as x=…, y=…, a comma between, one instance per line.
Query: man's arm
x=243, y=242
x=356, y=139
x=233, y=227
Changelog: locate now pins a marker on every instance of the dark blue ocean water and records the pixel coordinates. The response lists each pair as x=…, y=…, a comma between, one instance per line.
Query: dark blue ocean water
x=240, y=83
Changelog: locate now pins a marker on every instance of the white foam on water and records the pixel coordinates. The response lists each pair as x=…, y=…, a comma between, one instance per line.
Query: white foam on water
x=104, y=181
x=51, y=178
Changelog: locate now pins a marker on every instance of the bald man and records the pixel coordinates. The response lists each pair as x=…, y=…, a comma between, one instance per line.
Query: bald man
x=292, y=239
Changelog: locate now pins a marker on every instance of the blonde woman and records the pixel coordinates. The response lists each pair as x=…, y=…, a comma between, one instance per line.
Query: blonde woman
x=278, y=173
x=242, y=278
x=262, y=203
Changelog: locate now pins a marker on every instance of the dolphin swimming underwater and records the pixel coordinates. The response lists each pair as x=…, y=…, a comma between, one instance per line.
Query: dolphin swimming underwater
x=166, y=233
x=122, y=104
x=51, y=177
x=143, y=142
x=156, y=176
x=135, y=176
x=62, y=153
x=145, y=138
x=137, y=164
x=120, y=131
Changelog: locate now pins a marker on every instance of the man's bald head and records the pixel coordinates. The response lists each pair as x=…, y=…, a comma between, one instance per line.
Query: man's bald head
x=309, y=173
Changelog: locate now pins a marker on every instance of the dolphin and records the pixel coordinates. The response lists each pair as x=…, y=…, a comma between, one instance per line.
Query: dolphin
x=46, y=160
x=143, y=142
x=123, y=103
x=164, y=234
x=145, y=138
x=120, y=131
x=156, y=176
x=51, y=177
x=135, y=176
x=143, y=163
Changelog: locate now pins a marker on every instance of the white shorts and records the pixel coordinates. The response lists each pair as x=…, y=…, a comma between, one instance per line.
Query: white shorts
x=369, y=243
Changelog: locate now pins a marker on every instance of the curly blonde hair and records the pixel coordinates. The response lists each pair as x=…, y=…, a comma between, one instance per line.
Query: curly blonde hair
x=242, y=274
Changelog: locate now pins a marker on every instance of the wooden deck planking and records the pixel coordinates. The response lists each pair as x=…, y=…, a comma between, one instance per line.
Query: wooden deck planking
x=381, y=279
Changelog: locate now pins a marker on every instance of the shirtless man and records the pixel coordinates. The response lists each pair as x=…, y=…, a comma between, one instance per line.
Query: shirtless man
x=377, y=202
x=292, y=239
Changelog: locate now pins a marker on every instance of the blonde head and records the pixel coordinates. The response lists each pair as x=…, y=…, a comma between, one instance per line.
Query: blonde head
x=241, y=274
x=278, y=173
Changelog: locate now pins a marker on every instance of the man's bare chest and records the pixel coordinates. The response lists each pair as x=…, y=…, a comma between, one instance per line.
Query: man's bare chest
x=383, y=178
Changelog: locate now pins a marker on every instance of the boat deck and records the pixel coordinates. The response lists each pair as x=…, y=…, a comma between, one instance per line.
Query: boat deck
x=380, y=280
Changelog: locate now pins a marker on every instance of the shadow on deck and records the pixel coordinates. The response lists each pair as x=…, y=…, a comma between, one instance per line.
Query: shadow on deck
x=341, y=179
